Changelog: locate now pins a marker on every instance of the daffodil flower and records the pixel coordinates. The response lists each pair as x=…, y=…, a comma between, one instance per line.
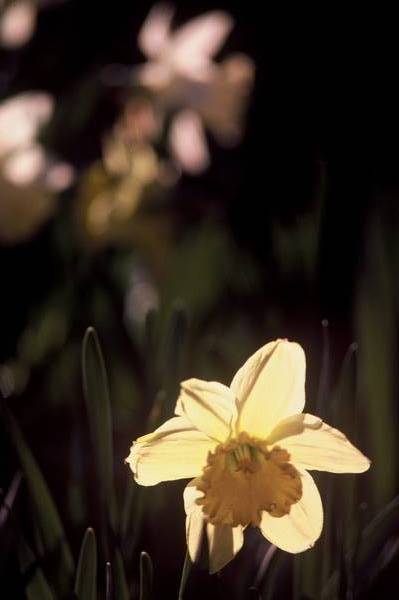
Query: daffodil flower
x=187, y=82
x=30, y=178
x=18, y=19
x=17, y=22
x=248, y=448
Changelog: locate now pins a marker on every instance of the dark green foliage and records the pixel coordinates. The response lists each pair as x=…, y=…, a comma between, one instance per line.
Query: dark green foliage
x=47, y=519
x=146, y=576
x=86, y=573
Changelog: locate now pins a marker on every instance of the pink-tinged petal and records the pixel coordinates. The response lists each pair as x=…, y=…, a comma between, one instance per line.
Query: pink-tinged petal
x=176, y=450
x=21, y=118
x=223, y=541
x=154, y=33
x=17, y=23
x=188, y=143
x=269, y=387
x=228, y=95
x=194, y=44
x=299, y=530
x=59, y=176
x=24, y=166
x=312, y=444
x=209, y=406
x=154, y=75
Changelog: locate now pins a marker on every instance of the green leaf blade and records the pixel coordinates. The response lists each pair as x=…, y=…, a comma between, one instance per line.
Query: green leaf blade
x=146, y=576
x=47, y=518
x=97, y=399
x=86, y=574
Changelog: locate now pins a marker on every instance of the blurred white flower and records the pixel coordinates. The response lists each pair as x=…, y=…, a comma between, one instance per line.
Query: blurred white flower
x=187, y=142
x=182, y=74
x=21, y=118
x=17, y=22
x=28, y=176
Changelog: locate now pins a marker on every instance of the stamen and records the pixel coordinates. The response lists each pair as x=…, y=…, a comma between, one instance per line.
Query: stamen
x=243, y=478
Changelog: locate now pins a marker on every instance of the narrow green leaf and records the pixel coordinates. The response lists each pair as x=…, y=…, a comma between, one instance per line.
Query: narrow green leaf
x=309, y=573
x=36, y=587
x=253, y=594
x=173, y=358
x=187, y=566
x=371, y=541
x=339, y=496
x=136, y=519
x=121, y=589
x=326, y=542
x=325, y=369
x=108, y=582
x=277, y=566
x=264, y=566
x=376, y=324
x=9, y=499
x=378, y=531
x=47, y=517
x=176, y=334
x=130, y=498
x=150, y=346
x=296, y=578
x=146, y=576
x=86, y=574
x=385, y=558
x=96, y=393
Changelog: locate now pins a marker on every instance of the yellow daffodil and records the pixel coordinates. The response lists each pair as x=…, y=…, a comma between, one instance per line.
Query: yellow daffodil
x=249, y=448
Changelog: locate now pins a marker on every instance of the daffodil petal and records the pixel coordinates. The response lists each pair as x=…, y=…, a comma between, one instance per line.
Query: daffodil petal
x=223, y=541
x=209, y=405
x=312, y=444
x=176, y=450
x=299, y=530
x=269, y=387
x=195, y=521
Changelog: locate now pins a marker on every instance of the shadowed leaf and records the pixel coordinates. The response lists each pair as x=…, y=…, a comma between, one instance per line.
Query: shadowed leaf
x=121, y=590
x=378, y=530
x=47, y=520
x=146, y=577
x=9, y=499
x=108, y=582
x=36, y=587
x=371, y=543
x=185, y=575
x=376, y=335
x=86, y=574
x=96, y=393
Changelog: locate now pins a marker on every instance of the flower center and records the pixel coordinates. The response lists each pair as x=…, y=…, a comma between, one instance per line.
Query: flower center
x=242, y=478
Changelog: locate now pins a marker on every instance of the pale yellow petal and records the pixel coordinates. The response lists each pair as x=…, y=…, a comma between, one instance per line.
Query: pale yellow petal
x=210, y=406
x=312, y=444
x=299, y=530
x=195, y=522
x=223, y=542
x=176, y=450
x=269, y=387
